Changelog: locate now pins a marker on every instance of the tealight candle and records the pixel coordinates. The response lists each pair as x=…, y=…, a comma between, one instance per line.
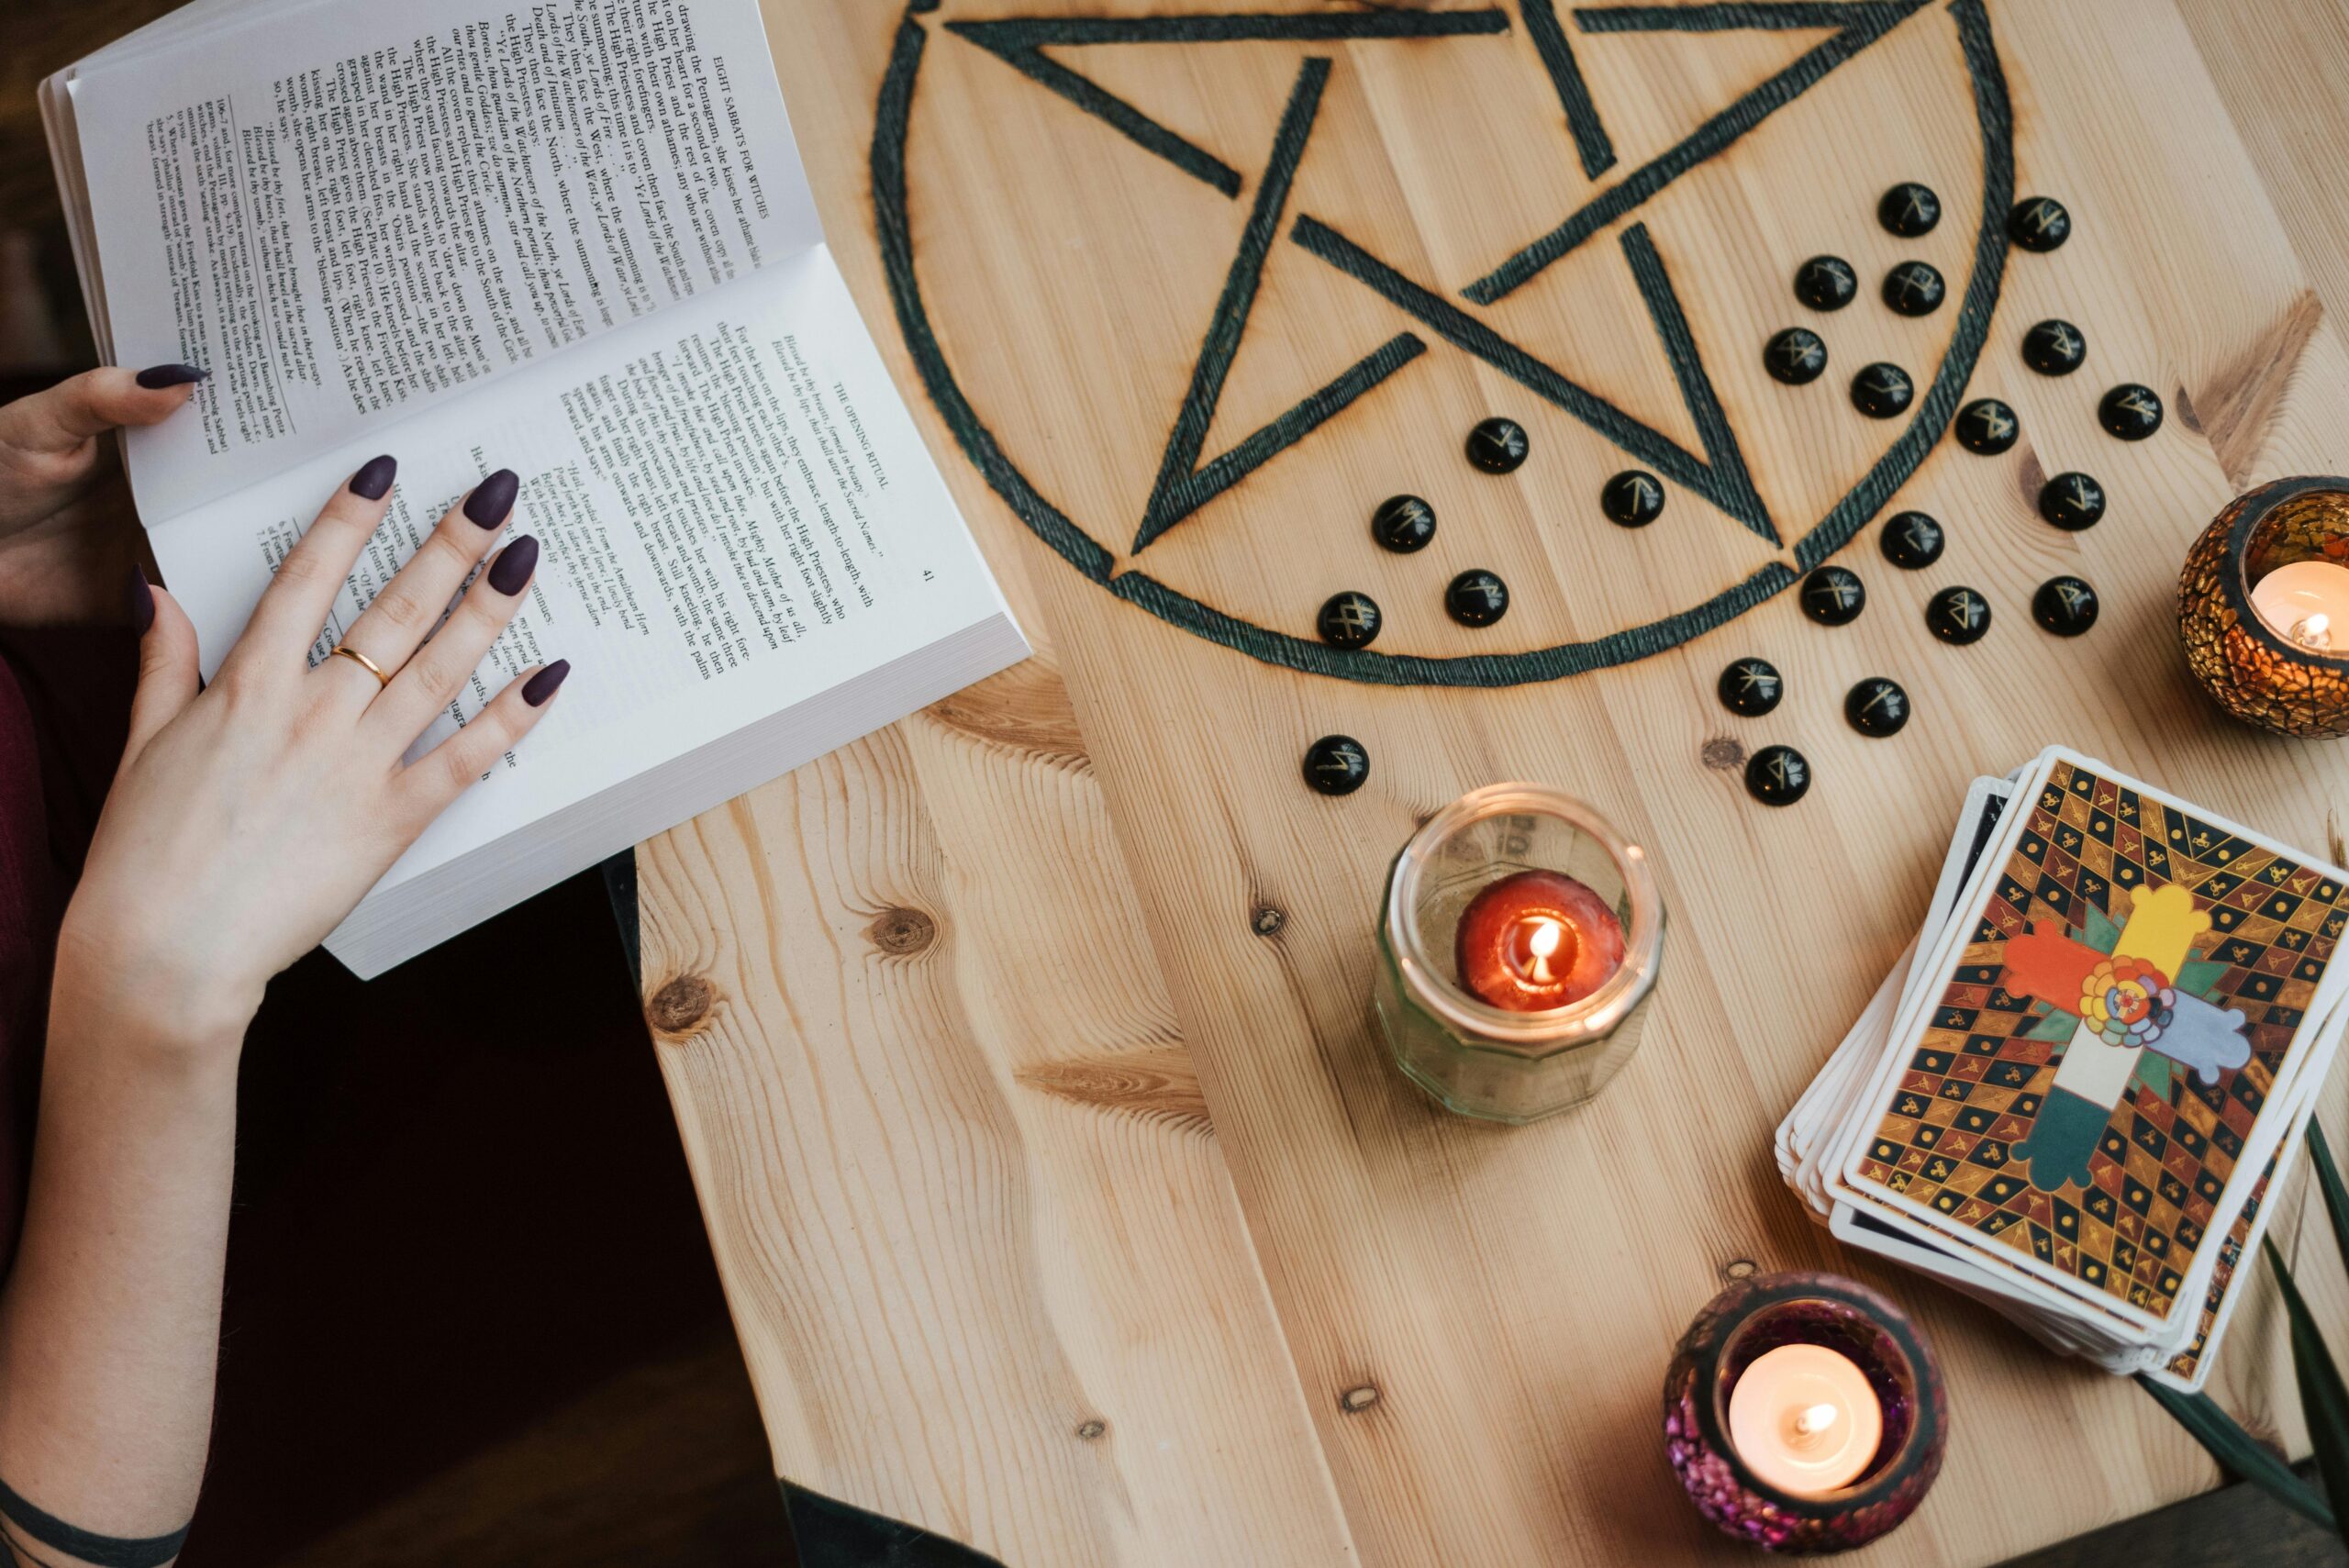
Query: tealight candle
x=2263, y=606
x=1803, y=1413
x=2308, y=601
x=1536, y=940
x=1804, y=1419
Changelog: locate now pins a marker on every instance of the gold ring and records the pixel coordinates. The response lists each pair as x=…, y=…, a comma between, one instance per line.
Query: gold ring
x=344, y=652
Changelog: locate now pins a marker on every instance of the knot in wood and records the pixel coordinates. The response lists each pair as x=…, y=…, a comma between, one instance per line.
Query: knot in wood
x=680, y=1007
x=1721, y=751
x=1093, y=1428
x=1267, y=920
x=902, y=931
x=1355, y=1400
x=1738, y=1268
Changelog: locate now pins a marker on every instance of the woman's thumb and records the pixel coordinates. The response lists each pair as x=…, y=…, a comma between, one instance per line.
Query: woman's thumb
x=168, y=681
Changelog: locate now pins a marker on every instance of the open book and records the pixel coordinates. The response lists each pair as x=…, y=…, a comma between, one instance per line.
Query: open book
x=572, y=239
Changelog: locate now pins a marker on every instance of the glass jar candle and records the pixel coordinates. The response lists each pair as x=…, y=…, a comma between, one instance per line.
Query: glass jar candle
x=1509, y=899
x=1804, y=1413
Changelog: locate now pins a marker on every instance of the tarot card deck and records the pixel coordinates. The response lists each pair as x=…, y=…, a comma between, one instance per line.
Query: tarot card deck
x=2071, y=1094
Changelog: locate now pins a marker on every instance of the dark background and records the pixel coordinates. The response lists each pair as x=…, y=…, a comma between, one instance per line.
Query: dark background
x=471, y=1315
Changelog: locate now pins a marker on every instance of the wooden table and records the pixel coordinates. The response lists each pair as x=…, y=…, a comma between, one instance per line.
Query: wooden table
x=1065, y=1201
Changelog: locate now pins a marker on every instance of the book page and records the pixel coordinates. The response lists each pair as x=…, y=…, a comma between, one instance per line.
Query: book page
x=735, y=511
x=350, y=213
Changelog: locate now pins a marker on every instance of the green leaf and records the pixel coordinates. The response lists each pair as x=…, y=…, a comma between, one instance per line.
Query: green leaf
x=2237, y=1452
x=2328, y=1181
x=2196, y=978
x=2324, y=1400
x=2058, y=1026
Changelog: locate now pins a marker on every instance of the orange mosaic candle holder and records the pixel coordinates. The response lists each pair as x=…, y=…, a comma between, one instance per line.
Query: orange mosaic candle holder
x=2255, y=672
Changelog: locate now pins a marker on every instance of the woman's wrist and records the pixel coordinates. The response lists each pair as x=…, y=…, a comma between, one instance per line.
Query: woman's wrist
x=102, y=993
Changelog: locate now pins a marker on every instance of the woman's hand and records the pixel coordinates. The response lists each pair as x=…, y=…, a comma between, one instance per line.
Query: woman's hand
x=66, y=534
x=250, y=815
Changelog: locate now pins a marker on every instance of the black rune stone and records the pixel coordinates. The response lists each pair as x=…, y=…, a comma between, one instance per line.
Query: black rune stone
x=1826, y=282
x=2054, y=348
x=1403, y=524
x=1880, y=390
x=1777, y=775
x=1833, y=596
x=2072, y=502
x=1908, y=209
x=1795, y=356
x=1911, y=540
x=1958, y=615
x=1914, y=288
x=1348, y=619
x=2039, y=223
x=1497, y=446
x=1986, y=426
x=1877, y=707
x=1336, y=764
x=1477, y=598
x=2064, y=605
x=1634, y=499
x=2130, y=411
x=1749, y=686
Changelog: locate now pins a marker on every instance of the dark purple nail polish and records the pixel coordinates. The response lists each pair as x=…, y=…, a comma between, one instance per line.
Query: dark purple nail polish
x=155, y=377
x=513, y=567
x=374, y=479
x=540, y=686
x=493, y=498
x=140, y=598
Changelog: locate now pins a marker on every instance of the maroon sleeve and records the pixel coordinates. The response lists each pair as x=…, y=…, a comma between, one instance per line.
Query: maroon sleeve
x=65, y=702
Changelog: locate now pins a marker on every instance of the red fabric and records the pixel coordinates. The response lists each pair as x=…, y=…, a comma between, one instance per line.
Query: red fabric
x=64, y=707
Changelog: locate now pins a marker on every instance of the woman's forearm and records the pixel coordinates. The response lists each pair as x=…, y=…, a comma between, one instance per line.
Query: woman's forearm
x=109, y=1323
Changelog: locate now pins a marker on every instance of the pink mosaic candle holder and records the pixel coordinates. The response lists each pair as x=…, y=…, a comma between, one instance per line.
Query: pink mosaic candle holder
x=1755, y=1316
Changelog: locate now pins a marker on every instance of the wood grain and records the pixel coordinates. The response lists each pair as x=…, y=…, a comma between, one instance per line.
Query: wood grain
x=970, y=1199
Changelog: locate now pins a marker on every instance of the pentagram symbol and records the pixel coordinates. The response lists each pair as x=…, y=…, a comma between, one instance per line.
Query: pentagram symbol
x=1437, y=317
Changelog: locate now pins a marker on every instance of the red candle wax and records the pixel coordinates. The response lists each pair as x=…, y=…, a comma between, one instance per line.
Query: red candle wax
x=1535, y=940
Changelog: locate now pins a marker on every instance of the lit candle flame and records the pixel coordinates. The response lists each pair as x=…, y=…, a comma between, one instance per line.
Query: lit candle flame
x=1542, y=942
x=1810, y=1423
x=2313, y=631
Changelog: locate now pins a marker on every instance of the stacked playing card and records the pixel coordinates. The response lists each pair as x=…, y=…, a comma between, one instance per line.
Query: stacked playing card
x=2071, y=1093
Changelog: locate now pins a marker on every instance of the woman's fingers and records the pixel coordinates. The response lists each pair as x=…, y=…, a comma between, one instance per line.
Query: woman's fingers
x=301, y=595
x=167, y=664
x=436, y=673
x=51, y=437
x=442, y=775
x=405, y=610
x=65, y=416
